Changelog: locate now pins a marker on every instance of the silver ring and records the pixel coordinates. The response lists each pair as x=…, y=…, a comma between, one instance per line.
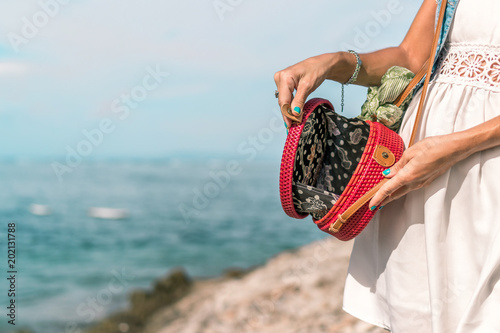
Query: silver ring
x=276, y=93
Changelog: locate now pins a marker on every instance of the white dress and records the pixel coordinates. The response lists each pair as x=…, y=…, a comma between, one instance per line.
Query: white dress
x=430, y=262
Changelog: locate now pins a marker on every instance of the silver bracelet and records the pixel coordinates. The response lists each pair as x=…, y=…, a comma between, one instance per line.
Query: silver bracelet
x=356, y=70
x=353, y=77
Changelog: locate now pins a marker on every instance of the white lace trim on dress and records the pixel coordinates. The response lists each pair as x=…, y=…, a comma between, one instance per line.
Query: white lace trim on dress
x=471, y=64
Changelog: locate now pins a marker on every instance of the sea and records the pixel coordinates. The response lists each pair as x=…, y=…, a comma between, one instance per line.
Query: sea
x=74, y=268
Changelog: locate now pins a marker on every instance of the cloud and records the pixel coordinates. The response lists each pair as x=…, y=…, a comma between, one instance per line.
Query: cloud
x=12, y=68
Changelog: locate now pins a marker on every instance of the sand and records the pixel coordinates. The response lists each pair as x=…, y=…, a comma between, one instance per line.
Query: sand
x=296, y=291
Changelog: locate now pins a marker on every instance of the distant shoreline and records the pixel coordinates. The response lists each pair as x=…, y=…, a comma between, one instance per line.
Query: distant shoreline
x=262, y=299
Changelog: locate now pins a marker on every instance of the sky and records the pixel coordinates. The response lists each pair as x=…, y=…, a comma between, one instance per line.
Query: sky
x=157, y=79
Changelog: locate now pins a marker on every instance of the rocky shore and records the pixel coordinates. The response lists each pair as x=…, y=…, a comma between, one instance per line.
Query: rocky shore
x=297, y=291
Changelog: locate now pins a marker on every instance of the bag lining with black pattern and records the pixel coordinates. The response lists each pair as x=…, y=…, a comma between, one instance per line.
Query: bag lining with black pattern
x=328, y=153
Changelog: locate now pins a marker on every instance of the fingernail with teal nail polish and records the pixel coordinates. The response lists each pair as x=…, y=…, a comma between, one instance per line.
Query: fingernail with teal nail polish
x=286, y=132
x=373, y=207
x=386, y=172
x=380, y=207
x=296, y=109
x=285, y=124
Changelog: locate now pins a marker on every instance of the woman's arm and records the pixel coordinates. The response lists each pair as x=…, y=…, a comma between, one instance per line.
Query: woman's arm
x=431, y=157
x=308, y=75
x=412, y=53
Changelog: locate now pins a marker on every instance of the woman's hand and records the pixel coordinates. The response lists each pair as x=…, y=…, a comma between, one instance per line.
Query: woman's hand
x=431, y=157
x=419, y=166
x=303, y=77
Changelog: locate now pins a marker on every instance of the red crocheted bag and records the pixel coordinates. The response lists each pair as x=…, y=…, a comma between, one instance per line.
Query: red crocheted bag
x=318, y=172
x=332, y=166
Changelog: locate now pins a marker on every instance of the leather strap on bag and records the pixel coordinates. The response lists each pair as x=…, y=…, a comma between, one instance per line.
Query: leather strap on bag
x=427, y=71
x=416, y=79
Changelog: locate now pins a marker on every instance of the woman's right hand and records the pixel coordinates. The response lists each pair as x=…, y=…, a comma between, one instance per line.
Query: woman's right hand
x=303, y=77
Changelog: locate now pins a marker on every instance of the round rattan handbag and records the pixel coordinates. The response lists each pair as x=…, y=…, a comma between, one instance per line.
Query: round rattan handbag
x=330, y=162
x=332, y=165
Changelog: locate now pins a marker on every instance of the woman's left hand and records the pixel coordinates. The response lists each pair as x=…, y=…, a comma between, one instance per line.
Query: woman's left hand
x=418, y=167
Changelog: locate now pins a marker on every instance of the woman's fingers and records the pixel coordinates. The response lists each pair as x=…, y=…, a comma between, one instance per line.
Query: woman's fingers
x=418, y=167
x=286, y=85
x=304, y=89
x=303, y=77
x=387, y=192
x=400, y=192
